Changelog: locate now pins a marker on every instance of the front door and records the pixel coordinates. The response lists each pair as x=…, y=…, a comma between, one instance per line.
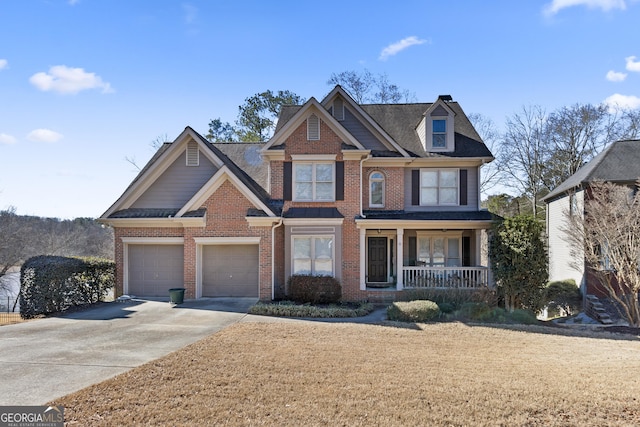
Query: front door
x=377, y=270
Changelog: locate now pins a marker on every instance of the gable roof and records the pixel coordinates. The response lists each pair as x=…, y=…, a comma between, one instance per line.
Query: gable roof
x=298, y=116
x=399, y=122
x=619, y=162
x=160, y=162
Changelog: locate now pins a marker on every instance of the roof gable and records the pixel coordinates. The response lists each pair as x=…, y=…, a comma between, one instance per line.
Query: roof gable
x=367, y=122
x=167, y=155
x=619, y=162
x=296, y=117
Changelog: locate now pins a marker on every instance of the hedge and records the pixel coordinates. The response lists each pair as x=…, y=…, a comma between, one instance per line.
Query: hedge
x=314, y=289
x=52, y=284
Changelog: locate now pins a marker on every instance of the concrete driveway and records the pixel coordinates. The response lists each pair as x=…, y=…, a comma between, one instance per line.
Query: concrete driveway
x=48, y=358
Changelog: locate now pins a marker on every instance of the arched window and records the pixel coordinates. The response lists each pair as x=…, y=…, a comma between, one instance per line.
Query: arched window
x=376, y=189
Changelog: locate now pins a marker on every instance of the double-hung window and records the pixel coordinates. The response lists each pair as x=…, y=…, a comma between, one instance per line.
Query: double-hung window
x=439, y=133
x=314, y=182
x=439, y=251
x=439, y=187
x=313, y=255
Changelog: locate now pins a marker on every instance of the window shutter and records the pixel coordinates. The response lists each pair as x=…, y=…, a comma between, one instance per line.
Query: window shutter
x=287, y=181
x=413, y=250
x=463, y=186
x=339, y=180
x=415, y=187
x=193, y=154
x=466, y=251
x=313, y=128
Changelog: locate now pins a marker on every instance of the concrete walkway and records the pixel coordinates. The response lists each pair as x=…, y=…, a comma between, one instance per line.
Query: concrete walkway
x=48, y=358
x=45, y=359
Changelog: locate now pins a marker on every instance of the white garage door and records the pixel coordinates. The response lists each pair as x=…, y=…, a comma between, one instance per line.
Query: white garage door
x=154, y=269
x=230, y=271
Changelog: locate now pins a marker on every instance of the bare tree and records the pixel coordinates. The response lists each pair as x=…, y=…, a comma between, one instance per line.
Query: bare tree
x=155, y=145
x=364, y=87
x=575, y=135
x=608, y=237
x=523, y=152
x=491, y=172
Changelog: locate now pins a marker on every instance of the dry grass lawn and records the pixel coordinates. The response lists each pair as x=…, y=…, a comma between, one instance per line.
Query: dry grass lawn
x=302, y=373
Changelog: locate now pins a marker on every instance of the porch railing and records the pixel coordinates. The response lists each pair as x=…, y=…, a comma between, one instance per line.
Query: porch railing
x=445, y=277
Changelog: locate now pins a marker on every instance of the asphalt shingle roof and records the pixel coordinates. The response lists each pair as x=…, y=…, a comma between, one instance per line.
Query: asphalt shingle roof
x=400, y=122
x=619, y=162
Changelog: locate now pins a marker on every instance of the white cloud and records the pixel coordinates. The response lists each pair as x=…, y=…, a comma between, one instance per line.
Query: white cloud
x=397, y=47
x=7, y=139
x=614, y=76
x=3, y=64
x=44, y=135
x=606, y=5
x=73, y=2
x=190, y=13
x=632, y=64
x=622, y=102
x=66, y=80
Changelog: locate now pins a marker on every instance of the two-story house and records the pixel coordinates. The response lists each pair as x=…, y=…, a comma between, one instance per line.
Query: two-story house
x=383, y=197
x=619, y=164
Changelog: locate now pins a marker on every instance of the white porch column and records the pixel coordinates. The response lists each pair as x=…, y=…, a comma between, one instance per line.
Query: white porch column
x=399, y=259
x=363, y=267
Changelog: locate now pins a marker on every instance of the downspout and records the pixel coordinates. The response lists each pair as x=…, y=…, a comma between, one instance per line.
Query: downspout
x=273, y=259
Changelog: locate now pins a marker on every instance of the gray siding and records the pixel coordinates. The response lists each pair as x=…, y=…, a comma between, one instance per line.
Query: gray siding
x=472, y=194
x=177, y=184
x=360, y=132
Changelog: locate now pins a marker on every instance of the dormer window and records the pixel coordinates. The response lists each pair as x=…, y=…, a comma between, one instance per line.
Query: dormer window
x=313, y=128
x=439, y=133
x=436, y=130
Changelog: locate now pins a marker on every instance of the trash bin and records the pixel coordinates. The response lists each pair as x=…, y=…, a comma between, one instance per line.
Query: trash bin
x=176, y=295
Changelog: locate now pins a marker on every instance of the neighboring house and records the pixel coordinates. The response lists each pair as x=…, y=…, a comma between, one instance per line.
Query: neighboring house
x=619, y=163
x=382, y=197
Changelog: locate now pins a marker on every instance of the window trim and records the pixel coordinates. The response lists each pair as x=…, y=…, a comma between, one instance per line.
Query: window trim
x=439, y=170
x=446, y=237
x=294, y=181
x=382, y=180
x=434, y=133
x=312, y=258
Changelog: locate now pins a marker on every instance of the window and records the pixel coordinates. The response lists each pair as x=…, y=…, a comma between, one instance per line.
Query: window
x=313, y=255
x=439, y=186
x=313, y=128
x=439, y=134
x=573, y=205
x=313, y=182
x=439, y=251
x=376, y=190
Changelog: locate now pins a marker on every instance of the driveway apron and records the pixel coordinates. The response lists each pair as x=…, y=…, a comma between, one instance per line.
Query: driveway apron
x=44, y=359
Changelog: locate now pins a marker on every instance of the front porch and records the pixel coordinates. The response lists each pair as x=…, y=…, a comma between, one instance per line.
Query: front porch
x=424, y=257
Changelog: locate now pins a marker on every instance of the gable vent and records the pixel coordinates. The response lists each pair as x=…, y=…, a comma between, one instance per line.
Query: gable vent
x=313, y=128
x=338, y=109
x=193, y=154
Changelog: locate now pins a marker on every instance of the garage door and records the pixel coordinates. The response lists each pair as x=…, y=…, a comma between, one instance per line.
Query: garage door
x=154, y=269
x=230, y=271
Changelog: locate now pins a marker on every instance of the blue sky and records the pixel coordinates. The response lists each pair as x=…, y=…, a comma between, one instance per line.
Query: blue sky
x=85, y=84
